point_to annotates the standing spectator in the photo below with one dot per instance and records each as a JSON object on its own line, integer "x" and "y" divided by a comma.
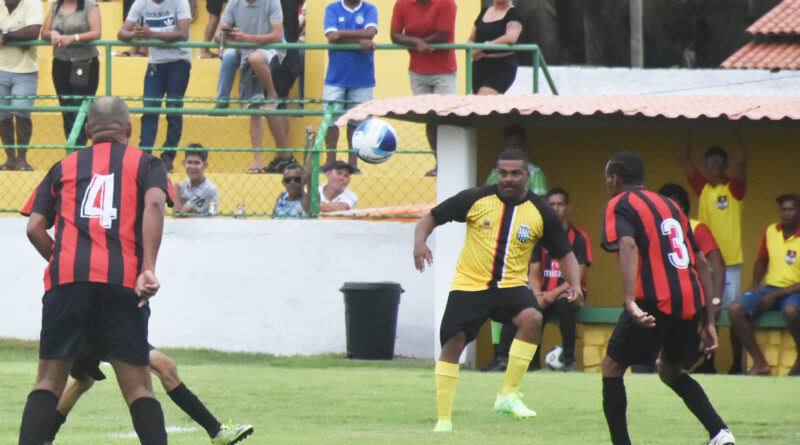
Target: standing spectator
{"x": 168, "y": 68}
{"x": 549, "y": 286}
{"x": 417, "y": 24}
{"x": 196, "y": 193}
{"x": 290, "y": 202}
{"x": 777, "y": 267}
{"x": 101, "y": 270}
{"x": 76, "y": 70}
{"x": 663, "y": 288}
{"x": 494, "y": 71}
{"x": 255, "y": 21}
{"x": 334, "y": 196}
{"x": 721, "y": 190}
{"x": 19, "y": 76}
{"x": 351, "y": 74}
{"x": 491, "y": 278}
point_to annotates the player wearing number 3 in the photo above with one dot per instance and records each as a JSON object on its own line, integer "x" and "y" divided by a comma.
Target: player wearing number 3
{"x": 107, "y": 205}
{"x": 664, "y": 279}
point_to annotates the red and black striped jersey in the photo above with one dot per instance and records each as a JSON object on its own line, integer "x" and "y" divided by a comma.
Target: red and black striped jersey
{"x": 667, "y": 275}
{"x": 500, "y": 236}
{"x": 95, "y": 199}
{"x": 551, "y": 276}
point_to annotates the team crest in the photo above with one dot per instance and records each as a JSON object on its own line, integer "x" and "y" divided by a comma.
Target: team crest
{"x": 722, "y": 202}
{"x": 791, "y": 256}
{"x": 524, "y": 233}
{"x": 487, "y": 224}
{"x": 360, "y": 19}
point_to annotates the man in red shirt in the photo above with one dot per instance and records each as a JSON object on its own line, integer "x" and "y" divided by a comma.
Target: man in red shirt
{"x": 106, "y": 204}
{"x": 417, "y": 24}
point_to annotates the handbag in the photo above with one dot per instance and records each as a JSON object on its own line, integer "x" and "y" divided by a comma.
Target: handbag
{"x": 79, "y": 74}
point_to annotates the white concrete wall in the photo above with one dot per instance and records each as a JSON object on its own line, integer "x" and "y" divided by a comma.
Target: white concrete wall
{"x": 250, "y": 285}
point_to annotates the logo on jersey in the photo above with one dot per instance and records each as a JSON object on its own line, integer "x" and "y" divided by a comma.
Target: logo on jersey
{"x": 791, "y": 256}
{"x": 554, "y": 271}
{"x": 524, "y": 233}
{"x": 360, "y": 19}
{"x": 487, "y": 224}
{"x": 722, "y": 202}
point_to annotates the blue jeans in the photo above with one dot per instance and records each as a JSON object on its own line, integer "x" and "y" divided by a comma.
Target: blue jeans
{"x": 170, "y": 78}
{"x": 231, "y": 60}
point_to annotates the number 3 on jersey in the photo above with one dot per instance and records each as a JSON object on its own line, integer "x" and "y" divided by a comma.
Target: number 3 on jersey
{"x": 98, "y": 201}
{"x": 680, "y": 254}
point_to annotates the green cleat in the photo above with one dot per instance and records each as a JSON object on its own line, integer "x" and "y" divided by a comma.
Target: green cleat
{"x": 511, "y": 403}
{"x": 230, "y": 434}
{"x": 443, "y": 426}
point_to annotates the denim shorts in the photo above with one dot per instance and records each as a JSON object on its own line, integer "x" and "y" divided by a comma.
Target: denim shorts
{"x": 750, "y": 300}
{"x": 354, "y": 95}
{"x": 17, "y": 84}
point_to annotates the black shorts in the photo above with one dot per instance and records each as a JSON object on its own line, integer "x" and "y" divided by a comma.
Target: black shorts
{"x": 676, "y": 339}
{"x": 214, "y": 7}
{"x": 285, "y": 74}
{"x": 105, "y": 316}
{"x": 467, "y": 311}
{"x": 87, "y": 364}
{"x": 496, "y": 73}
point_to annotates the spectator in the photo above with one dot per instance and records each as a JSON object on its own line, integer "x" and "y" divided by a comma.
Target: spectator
{"x": 196, "y": 193}
{"x": 548, "y": 282}
{"x": 259, "y": 69}
{"x": 721, "y": 191}
{"x": 417, "y": 24}
{"x": 168, "y": 70}
{"x": 76, "y": 70}
{"x": 290, "y": 202}
{"x": 351, "y": 74}
{"x": 493, "y": 71}
{"x": 335, "y": 196}
{"x": 19, "y": 76}
{"x": 711, "y": 250}
{"x": 778, "y": 268}
{"x": 214, "y": 9}
{"x": 514, "y": 137}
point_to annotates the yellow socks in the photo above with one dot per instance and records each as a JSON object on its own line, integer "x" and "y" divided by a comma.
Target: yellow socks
{"x": 519, "y": 357}
{"x": 446, "y": 376}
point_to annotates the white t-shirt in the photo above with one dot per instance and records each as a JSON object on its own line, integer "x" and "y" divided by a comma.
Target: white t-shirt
{"x": 162, "y": 17}
{"x": 347, "y": 196}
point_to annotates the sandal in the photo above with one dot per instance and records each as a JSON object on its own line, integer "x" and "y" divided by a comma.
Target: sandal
{"x": 208, "y": 55}
{"x": 7, "y": 167}
{"x": 25, "y": 167}
{"x": 254, "y": 170}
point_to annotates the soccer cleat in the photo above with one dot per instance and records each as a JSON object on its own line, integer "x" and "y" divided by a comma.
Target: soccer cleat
{"x": 723, "y": 437}
{"x": 443, "y": 426}
{"x": 230, "y": 434}
{"x": 511, "y": 403}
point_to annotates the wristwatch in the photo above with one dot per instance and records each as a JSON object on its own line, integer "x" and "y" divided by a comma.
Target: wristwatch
{"x": 716, "y": 301}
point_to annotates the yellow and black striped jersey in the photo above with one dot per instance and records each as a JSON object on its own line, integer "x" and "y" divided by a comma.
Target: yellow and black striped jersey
{"x": 500, "y": 237}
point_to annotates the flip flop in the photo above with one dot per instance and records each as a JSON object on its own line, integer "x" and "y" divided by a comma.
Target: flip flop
{"x": 209, "y": 55}
{"x": 7, "y": 167}
{"x": 25, "y": 168}
{"x": 254, "y": 170}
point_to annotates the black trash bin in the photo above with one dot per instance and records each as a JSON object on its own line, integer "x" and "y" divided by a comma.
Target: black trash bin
{"x": 370, "y": 315}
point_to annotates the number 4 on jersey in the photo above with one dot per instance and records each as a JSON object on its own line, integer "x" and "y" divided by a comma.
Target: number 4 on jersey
{"x": 98, "y": 201}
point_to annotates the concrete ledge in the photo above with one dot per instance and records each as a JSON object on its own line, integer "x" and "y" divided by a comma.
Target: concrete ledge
{"x": 609, "y": 315}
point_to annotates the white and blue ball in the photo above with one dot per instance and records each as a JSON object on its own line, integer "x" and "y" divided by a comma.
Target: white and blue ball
{"x": 374, "y": 141}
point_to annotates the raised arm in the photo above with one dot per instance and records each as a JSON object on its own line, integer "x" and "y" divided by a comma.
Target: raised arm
{"x": 685, "y": 156}
{"x": 738, "y": 169}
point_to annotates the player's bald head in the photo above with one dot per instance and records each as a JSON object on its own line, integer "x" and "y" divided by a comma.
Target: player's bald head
{"x": 108, "y": 111}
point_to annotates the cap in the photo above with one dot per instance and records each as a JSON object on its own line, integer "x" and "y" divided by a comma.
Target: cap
{"x": 787, "y": 197}
{"x": 341, "y": 164}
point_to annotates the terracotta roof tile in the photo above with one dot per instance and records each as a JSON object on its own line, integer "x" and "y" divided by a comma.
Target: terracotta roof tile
{"x": 669, "y": 107}
{"x": 783, "y": 19}
{"x": 765, "y": 55}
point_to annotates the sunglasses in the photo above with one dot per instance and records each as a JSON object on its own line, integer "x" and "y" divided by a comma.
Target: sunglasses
{"x": 288, "y": 179}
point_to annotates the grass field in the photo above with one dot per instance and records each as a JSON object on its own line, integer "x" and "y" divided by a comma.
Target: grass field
{"x": 330, "y": 399}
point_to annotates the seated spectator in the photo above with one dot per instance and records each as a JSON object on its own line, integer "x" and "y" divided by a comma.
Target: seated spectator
{"x": 351, "y": 74}
{"x": 778, "y": 268}
{"x": 197, "y": 193}
{"x": 76, "y": 69}
{"x": 334, "y": 196}
{"x": 168, "y": 70}
{"x": 19, "y": 76}
{"x": 494, "y": 71}
{"x": 290, "y": 202}
{"x": 240, "y": 24}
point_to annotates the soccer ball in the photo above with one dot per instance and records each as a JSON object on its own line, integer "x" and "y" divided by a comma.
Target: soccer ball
{"x": 374, "y": 141}
{"x": 553, "y": 359}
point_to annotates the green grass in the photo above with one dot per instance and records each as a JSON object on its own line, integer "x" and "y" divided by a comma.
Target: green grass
{"x": 331, "y": 399}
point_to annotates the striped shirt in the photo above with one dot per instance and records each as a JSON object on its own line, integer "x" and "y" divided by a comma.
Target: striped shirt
{"x": 500, "y": 237}
{"x": 95, "y": 199}
{"x": 551, "y": 276}
{"x": 667, "y": 275}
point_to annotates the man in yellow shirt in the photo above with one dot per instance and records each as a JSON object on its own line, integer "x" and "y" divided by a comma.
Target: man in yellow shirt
{"x": 19, "y": 76}
{"x": 778, "y": 266}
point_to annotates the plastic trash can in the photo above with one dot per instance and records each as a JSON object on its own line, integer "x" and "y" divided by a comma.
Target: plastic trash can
{"x": 370, "y": 315}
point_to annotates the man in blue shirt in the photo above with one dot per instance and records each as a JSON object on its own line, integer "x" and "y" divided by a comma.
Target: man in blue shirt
{"x": 351, "y": 74}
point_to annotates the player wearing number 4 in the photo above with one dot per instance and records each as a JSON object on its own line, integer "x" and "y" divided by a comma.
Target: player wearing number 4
{"x": 504, "y": 223}
{"x": 664, "y": 280}
{"x": 106, "y": 204}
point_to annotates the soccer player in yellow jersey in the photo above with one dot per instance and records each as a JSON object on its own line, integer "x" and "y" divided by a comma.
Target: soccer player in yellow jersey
{"x": 779, "y": 269}
{"x": 504, "y": 222}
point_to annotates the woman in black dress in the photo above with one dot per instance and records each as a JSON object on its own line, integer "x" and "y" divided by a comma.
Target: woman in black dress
{"x": 494, "y": 71}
